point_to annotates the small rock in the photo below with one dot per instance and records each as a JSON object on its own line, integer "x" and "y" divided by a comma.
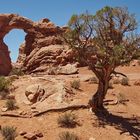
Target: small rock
{"x": 39, "y": 134}
{"x": 27, "y": 102}
{"x": 33, "y": 107}
{"x": 30, "y": 136}
{"x": 137, "y": 83}
{"x": 34, "y": 92}
{"x": 22, "y": 133}
{"x": 34, "y": 111}
{"x": 4, "y": 109}
{"x": 20, "y": 112}
{"x": 30, "y": 97}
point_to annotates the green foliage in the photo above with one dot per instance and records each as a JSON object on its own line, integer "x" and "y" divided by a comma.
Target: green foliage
{"x": 125, "y": 81}
{"x": 73, "y": 20}
{"x": 75, "y": 84}
{"x": 67, "y": 120}
{"x": 104, "y": 36}
{"x": 68, "y": 136}
{"x": 4, "y": 84}
{"x": 9, "y": 133}
{"x": 10, "y": 104}
{"x": 104, "y": 41}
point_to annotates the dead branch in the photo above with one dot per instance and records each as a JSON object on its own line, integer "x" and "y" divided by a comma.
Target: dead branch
{"x": 118, "y": 73}
{"x": 14, "y": 115}
{"x": 73, "y": 107}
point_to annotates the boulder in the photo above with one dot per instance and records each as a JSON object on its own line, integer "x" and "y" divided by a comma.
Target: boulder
{"x": 34, "y": 93}
{"x": 38, "y": 134}
{"x": 68, "y": 69}
{"x": 4, "y": 109}
{"x": 22, "y": 133}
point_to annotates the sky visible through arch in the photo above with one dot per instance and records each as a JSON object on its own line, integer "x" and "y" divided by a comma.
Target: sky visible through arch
{"x": 58, "y": 11}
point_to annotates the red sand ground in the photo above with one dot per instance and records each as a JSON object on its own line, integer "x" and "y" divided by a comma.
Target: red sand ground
{"x": 124, "y": 124}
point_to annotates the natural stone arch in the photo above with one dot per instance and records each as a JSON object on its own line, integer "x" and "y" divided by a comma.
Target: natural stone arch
{"x": 33, "y": 30}
{"x": 7, "y": 23}
{"x": 14, "y": 39}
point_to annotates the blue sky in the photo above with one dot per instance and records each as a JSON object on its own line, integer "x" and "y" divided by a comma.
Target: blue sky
{"x": 58, "y": 11}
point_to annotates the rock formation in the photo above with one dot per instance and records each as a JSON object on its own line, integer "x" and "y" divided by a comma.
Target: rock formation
{"x": 42, "y": 47}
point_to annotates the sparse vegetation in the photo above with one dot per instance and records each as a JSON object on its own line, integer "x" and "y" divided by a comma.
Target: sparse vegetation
{"x": 16, "y": 71}
{"x": 4, "y": 83}
{"x": 67, "y": 120}
{"x": 75, "y": 84}
{"x": 4, "y": 87}
{"x": 125, "y": 81}
{"x": 11, "y": 104}
{"x": 116, "y": 81}
{"x": 68, "y": 136}
{"x": 9, "y": 132}
{"x": 3, "y": 94}
{"x": 121, "y": 98}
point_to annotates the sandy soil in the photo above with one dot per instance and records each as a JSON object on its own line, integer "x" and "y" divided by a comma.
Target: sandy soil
{"x": 122, "y": 124}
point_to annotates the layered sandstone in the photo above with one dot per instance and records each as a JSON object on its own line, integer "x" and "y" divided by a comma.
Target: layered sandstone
{"x": 43, "y": 44}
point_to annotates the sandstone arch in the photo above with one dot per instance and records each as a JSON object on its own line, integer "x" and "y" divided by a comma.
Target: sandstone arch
{"x": 13, "y": 40}
{"x": 34, "y": 30}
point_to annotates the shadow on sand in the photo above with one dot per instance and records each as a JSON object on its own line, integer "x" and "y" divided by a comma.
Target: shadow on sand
{"x": 125, "y": 125}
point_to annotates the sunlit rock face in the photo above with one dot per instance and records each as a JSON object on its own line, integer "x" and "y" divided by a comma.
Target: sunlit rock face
{"x": 39, "y": 35}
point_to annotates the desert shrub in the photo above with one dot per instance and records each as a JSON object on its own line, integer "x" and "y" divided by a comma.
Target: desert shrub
{"x": 68, "y": 136}
{"x": 75, "y": 84}
{"x": 4, "y": 83}
{"x": 12, "y": 78}
{"x": 125, "y": 81}
{"x": 16, "y": 71}
{"x": 67, "y": 120}
{"x": 121, "y": 98}
{"x": 93, "y": 80}
{"x": 116, "y": 81}
{"x": 9, "y": 132}
{"x": 3, "y": 94}
{"x": 11, "y": 104}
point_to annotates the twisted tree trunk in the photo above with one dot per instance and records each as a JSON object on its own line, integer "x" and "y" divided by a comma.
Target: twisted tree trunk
{"x": 96, "y": 103}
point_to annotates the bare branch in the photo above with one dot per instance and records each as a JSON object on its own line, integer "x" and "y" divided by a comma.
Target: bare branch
{"x": 118, "y": 73}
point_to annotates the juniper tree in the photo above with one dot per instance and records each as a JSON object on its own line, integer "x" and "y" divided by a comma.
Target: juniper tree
{"x": 104, "y": 41}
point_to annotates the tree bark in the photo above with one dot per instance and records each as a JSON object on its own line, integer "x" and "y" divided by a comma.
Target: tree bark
{"x": 96, "y": 103}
